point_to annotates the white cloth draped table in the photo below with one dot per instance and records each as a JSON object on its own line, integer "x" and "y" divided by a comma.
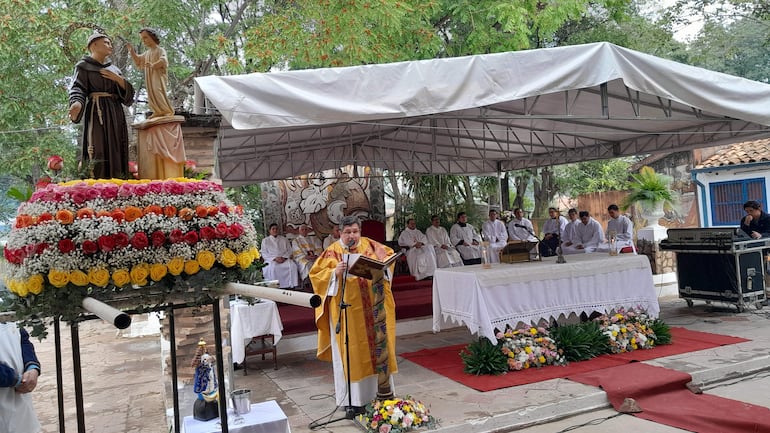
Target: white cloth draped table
{"x": 265, "y": 417}
{"x": 247, "y": 321}
{"x": 506, "y": 294}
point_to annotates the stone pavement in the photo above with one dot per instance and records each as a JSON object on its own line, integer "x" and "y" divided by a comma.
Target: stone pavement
{"x": 125, "y": 390}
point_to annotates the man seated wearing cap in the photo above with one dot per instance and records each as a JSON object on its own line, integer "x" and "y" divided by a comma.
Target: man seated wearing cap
{"x": 97, "y": 94}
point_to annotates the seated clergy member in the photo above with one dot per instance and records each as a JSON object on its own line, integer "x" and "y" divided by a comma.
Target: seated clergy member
{"x": 622, "y": 228}
{"x": 306, "y": 248}
{"x": 553, "y": 230}
{"x": 493, "y": 230}
{"x": 420, "y": 256}
{"x": 520, "y": 228}
{"x": 586, "y": 237}
{"x": 446, "y": 253}
{"x": 332, "y": 238}
{"x": 276, "y": 251}
{"x": 467, "y": 241}
{"x": 569, "y": 229}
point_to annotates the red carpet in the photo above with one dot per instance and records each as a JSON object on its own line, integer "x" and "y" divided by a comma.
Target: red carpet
{"x": 446, "y": 361}
{"x": 664, "y": 399}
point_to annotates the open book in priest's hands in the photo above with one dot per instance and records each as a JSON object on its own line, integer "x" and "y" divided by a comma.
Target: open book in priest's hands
{"x": 362, "y": 266}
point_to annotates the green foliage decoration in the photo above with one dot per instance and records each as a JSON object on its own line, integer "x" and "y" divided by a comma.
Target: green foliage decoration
{"x": 580, "y": 341}
{"x": 649, "y": 189}
{"x": 483, "y": 357}
{"x": 662, "y": 332}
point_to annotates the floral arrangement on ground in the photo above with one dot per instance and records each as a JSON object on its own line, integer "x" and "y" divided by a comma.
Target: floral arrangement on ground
{"x": 396, "y": 415}
{"x": 135, "y": 239}
{"x": 524, "y": 348}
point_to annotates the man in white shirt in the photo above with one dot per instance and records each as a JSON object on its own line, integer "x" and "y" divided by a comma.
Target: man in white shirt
{"x": 467, "y": 241}
{"x": 553, "y": 229}
{"x": 276, "y": 251}
{"x": 569, "y": 229}
{"x": 332, "y": 238}
{"x": 622, "y": 228}
{"x": 494, "y": 232}
{"x": 420, "y": 256}
{"x": 446, "y": 254}
{"x": 306, "y": 248}
{"x": 520, "y": 228}
{"x": 587, "y": 235}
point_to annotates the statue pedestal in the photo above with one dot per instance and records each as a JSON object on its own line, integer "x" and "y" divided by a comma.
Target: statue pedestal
{"x": 663, "y": 263}
{"x": 161, "y": 147}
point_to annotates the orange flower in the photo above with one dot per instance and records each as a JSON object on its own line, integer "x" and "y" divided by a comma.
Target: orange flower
{"x": 153, "y": 208}
{"x": 85, "y": 212}
{"x": 186, "y": 214}
{"x": 23, "y": 220}
{"x": 118, "y": 215}
{"x": 65, "y": 216}
{"x": 201, "y": 211}
{"x": 212, "y": 210}
{"x": 103, "y": 213}
{"x": 169, "y": 211}
{"x": 133, "y": 213}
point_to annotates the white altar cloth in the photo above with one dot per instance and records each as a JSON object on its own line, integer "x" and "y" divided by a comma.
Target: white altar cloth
{"x": 265, "y": 417}
{"x": 485, "y": 299}
{"x": 247, "y": 321}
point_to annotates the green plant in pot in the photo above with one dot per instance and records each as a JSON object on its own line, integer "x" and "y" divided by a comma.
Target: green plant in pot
{"x": 651, "y": 191}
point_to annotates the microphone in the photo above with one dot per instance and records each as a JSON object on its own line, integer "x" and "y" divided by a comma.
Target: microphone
{"x": 350, "y": 244}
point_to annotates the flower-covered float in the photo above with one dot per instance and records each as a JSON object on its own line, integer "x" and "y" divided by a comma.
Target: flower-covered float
{"x": 131, "y": 241}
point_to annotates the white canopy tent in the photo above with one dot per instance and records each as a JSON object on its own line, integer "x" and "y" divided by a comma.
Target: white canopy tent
{"x": 478, "y": 114}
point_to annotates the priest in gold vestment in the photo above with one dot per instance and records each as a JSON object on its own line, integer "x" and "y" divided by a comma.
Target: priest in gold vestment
{"x": 372, "y": 338}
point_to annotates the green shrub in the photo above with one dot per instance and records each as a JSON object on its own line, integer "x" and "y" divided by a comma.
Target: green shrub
{"x": 483, "y": 357}
{"x": 580, "y": 341}
{"x": 662, "y": 332}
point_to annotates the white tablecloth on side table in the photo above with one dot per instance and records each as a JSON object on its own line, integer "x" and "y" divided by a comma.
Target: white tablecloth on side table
{"x": 265, "y": 417}
{"x": 247, "y": 321}
{"x": 485, "y": 299}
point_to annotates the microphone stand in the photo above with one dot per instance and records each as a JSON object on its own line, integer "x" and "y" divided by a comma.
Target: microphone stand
{"x": 538, "y": 257}
{"x": 350, "y": 413}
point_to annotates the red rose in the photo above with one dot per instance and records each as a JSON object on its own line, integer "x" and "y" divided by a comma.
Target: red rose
{"x": 40, "y": 248}
{"x": 221, "y": 230}
{"x": 235, "y": 231}
{"x": 208, "y": 233}
{"x": 140, "y": 241}
{"x": 55, "y": 162}
{"x": 66, "y": 246}
{"x": 106, "y": 243}
{"x": 120, "y": 240}
{"x": 191, "y": 237}
{"x": 43, "y": 217}
{"x": 176, "y": 236}
{"x": 89, "y": 247}
{"x": 158, "y": 238}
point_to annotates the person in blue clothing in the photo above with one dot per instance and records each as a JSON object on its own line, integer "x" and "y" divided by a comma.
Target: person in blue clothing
{"x": 19, "y": 370}
{"x": 756, "y": 223}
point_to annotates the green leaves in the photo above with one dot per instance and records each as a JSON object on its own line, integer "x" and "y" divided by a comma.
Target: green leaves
{"x": 483, "y": 357}
{"x": 580, "y": 341}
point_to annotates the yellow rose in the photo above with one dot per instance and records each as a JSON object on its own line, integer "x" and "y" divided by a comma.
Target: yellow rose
{"x": 121, "y": 277}
{"x": 21, "y": 289}
{"x": 58, "y": 278}
{"x": 35, "y": 284}
{"x": 78, "y": 278}
{"x": 255, "y": 253}
{"x": 176, "y": 266}
{"x": 158, "y": 271}
{"x": 99, "y": 277}
{"x": 191, "y": 267}
{"x": 206, "y": 259}
{"x": 245, "y": 259}
{"x": 228, "y": 258}
{"x": 139, "y": 274}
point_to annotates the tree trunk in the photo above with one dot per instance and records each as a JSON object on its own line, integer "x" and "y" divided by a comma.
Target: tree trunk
{"x": 544, "y": 189}
{"x": 521, "y": 181}
{"x": 505, "y": 193}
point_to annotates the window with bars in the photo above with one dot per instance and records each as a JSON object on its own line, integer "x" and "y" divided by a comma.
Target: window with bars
{"x": 727, "y": 199}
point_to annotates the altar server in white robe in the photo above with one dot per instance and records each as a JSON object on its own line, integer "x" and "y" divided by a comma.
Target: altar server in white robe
{"x": 276, "y": 251}
{"x": 446, "y": 254}
{"x": 520, "y": 228}
{"x": 622, "y": 228}
{"x": 306, "y": 248}
{"x": 332, "y": 238}
{"x": 587, "y": 237}
{"x": 420, "y": 256}
{"x": 569, "y": 229}
{"x": 493, "y": 230}
{"x": 466, "y": 239}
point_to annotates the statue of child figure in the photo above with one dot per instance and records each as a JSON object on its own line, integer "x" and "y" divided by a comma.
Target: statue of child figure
{"x": 155, "y": 65}
{"x": 206, "y": 406}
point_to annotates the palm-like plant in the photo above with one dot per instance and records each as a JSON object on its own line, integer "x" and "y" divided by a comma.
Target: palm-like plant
{"x": 650, "y": 189}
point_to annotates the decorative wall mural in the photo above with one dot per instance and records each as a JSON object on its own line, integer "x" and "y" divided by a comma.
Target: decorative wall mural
{"x": 322, "y": 199}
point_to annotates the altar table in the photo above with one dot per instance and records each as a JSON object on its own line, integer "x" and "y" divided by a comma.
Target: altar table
{"x": 265, "y": 417}
{"x": 247, "y": 321}
{"x": 506, "y": 294}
